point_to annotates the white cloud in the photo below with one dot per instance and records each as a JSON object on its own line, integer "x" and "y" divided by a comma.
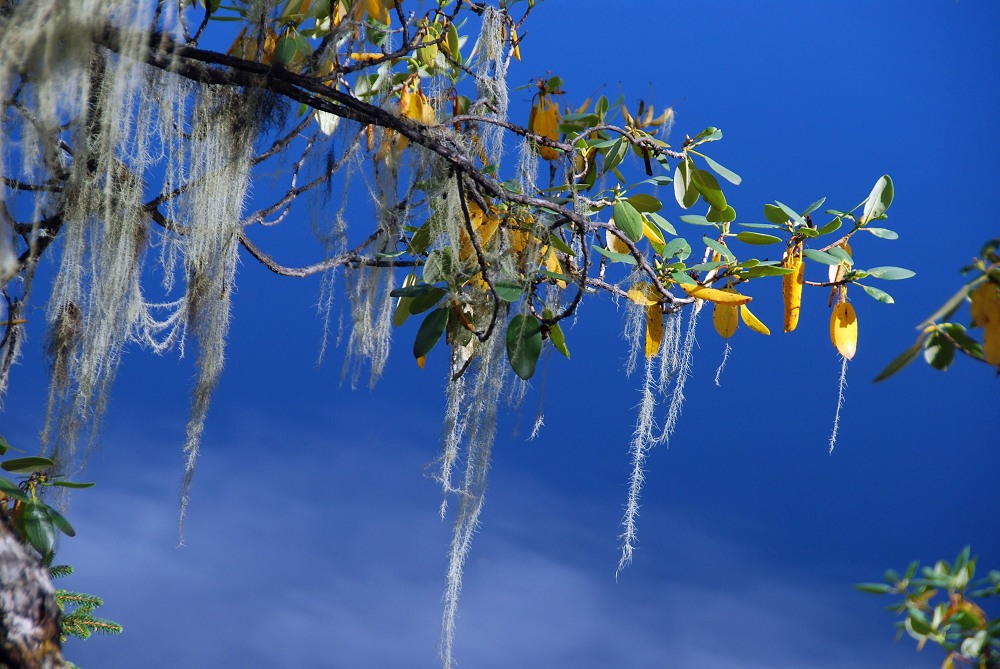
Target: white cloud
{"x": 293, "y": 567}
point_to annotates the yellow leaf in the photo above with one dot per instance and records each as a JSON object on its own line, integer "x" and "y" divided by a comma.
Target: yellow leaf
{"x": 652, "y": 232}
{"x": 725, "y": 319}
{"x": 844, "y": 329}
{"x": 377, "y": 9}
{"x": 985, "y": 304}
{"x": 485, "y": 227}
{"x": 752, "y": 321}
{"x": 544, "y": 120}
{"x": 654, "y": 330}
{"x": 362, "y": 57}
{"x": 714, "y": 294}
{"x": 552, "y": 264}
{"x": 614, "y": 243}
{"x": 991, "y": 343}
{"x": 643, "y": 294}
{"x": 791, "y": 290}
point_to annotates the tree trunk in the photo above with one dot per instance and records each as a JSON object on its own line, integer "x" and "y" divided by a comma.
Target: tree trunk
{"x": 29, "y": 615}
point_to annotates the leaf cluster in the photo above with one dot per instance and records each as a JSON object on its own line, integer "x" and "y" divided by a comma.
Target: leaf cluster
{"x": 34, "y": 521}
{"x": 941, "y": 337}
{"x": 938, "y": 604}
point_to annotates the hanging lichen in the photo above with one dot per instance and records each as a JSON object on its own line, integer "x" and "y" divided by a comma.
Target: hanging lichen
{"x": 491, "y": 80}
{"x": 223, "y": 131}
{"x": 476, "y": 428}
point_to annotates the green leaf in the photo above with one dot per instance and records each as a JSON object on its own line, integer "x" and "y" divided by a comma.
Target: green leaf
{"x": 705, "y": 266}
{"x": 758, "y": 238}
{"x": 721, "y": 249}
{"x": 878, "y": 200}
{"x": 681, "y": 277}
{"x": 662, "y": 223}
{"x": 524, "y": 344}
{"x": 615, "y": 257}
{"x": 11, "y": 490}
{"x": 28, "y": 465}
{"x": 966, "y": 343}
{"x": 902, "y": 360}
{"x": 884, "y": 233}
{"x": 597, "y": 143}
{"x": 454, "y": 45}
{"x": 776, "y": 215}
{"x": 36, "y": 526}
{"x": 879, "y": 295}
{"x": 558, "y": 340}
{"x": 840, "y": 252}
{"x": 890, "y": 273}
{"x": 684, "y": 190}
{"x": 285, "y": 50}
{"x": 763, "y": 226}
{"x": 728, "y": 175}
{"x": 59, "y": 521}
{"x": 4, "y": 445}
{"x": 727, "y": 215}
{"x": 814, "y": 206}
{"x": 790, "y": 213}
{"x": 422, "y": 303}
{"x": 677, "y": 247}
{"x": 709, "y": 134}
{"x": 939, "y": 352}
{"x": 69, "y": 484}
{"x": 440, "y": 266}
{"x": 413, "y": 290}
{"x": 628, "y": 220}
{"x": 508, "y": 291}
{"x": 658, "y": 180}
{"x": 556, "y": 275}
{"x": 420, "y": 240}
{"x": 821, "y": 257}
{"x": 557, "y": 242}
{"x": 645, "y": 203}
{"x": 430, "y": 331}
{"x": 614, "y": 155}
{"x": 402, "y": 311}
{"x": 962, "y": 559}
{"x": 695, "y": 220}
{"x": 832, "y": 226}
{"x": 765, "y": 270}
{"x": 918, "y": 623}
{"x": 708, "y": 187}
{"x": 874, "y": 588}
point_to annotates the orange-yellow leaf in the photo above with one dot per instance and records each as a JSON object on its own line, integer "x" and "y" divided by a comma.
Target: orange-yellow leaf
{"x": 643, "y": 294}
{"x": 544, "y": 120}
{"x": 752, "y": 321}
{"x": 725, "y": 319}
{"x": 654, "y": 330}
{"x": 714, "y": 294}
{"x": 844, "y": 329}
{"x": 791, "y": 291}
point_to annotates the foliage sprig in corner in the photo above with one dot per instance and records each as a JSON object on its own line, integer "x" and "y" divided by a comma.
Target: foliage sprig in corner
{"x": 938, "y": 605}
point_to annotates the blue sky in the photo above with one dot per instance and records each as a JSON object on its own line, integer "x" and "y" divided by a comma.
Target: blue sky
{"x": 313, "y": 537}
